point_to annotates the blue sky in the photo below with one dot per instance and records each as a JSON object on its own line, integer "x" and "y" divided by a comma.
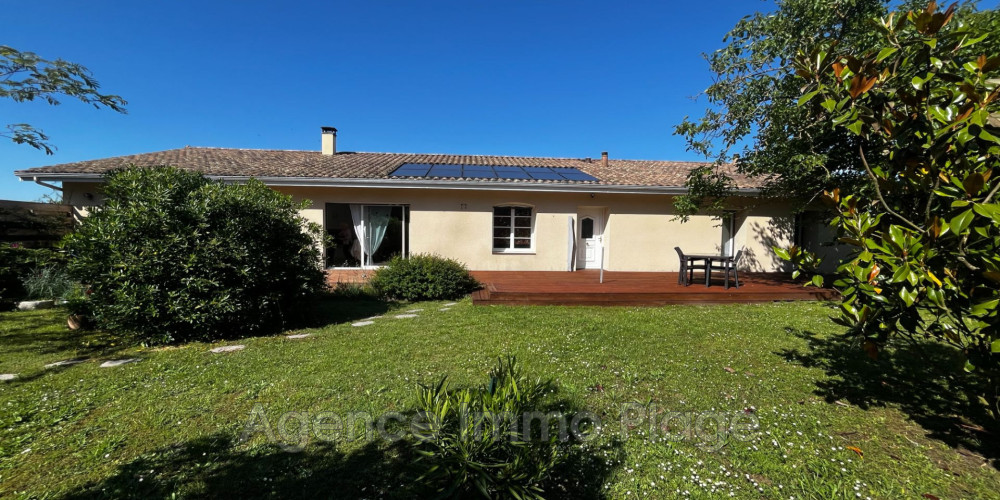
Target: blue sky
{"x": 538, "y": 78}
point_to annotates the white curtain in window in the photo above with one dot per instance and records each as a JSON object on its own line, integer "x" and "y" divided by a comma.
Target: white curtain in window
{"x": 358, "y": 217}
{"x": 376, "y": 225}
{"x": 370, "y": 225}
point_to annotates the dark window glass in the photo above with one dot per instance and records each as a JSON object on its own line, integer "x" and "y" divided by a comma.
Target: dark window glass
{"x": 511, "y": 228}
{"x": 587, "y": 228}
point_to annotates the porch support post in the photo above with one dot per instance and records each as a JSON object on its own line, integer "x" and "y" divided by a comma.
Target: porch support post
{"x": 602, "y": 258}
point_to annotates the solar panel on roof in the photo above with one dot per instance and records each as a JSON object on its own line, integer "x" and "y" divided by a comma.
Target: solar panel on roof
{"x": 544, "y": 174}
{"x": 411, "y": 170}
{"x": 572, "y": 174}
{"x": 549, "y": 176}
{"x": 479, "y": 174}
{"x": 507, "y": 172}
{"x": 513, "y": 174}
{"x": 445, "y": 171}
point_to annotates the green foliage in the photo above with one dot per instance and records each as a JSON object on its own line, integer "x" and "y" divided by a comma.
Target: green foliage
{"x": 423, "y": 277}
{"x": 753, "y": 119}
{"x": 48, "y": 282}
{"x": 601, "y": 357}
{"x": 923, "y": 106}
{"x": 472, "y": 441}
{"x": 353, "y": 291}
{"x": 28, "y": 77}
{"x": 173, "y": 257}
{"x": 16, "y": 263}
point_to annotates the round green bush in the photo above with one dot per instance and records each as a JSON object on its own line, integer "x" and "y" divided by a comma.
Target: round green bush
{"x": 172, "y": 257}
{"x": 423, "y": 277}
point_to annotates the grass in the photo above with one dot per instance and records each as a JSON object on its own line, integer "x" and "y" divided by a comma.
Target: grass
{"x": 171, "y": 424}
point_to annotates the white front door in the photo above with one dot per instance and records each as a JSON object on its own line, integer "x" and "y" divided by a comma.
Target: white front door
{"x": 590, "y": 243}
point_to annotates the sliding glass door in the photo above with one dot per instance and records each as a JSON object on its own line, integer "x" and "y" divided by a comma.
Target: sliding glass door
{"x": 366, "y": 235}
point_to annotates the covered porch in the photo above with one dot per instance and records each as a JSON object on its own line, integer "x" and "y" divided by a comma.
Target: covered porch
{"x": 634, "y": 289}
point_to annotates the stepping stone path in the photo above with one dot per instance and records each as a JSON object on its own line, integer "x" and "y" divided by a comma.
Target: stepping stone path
{"x": 66, "y": 362}
{"x": 7, "y": 376}
{"x": 228, "y": 348}
{"x": 404, "y": 316}
{"x": 299, "y": 336}
{"x": 363, "y": 323}
{"x": 119, "y": 362}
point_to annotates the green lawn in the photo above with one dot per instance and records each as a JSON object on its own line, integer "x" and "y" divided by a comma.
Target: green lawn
{"x": 170, "y": 424}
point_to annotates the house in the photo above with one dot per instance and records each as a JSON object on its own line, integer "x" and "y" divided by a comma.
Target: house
{"x": 493, "y": 213}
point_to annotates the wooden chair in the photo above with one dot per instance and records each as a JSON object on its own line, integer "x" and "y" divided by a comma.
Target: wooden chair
{"x": 688, "y": 268}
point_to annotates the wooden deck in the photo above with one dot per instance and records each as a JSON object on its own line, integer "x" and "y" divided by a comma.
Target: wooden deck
{"x": 634, "y": 289}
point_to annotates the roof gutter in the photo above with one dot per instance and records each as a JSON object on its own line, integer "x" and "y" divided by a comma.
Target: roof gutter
{"x": 408, "y": 184}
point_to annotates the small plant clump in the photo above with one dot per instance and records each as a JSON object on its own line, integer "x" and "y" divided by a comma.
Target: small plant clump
{"x": 423, "y": 277}
{"x": 29, "y": 273}
{"x": 48, "y": 282}
{"x": 474, "y": 441}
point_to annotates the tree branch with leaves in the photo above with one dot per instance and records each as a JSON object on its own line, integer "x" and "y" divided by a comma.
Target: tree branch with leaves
{"x": 753, "y": 120}
{"x": 25, "y": 77}
{"x": 925, "y": 232}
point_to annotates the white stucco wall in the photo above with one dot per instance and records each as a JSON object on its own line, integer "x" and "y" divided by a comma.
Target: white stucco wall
{"x": 640, "y": 233}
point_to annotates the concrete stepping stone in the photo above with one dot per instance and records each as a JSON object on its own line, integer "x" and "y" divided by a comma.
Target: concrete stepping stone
{"x": 444, "y": 309}
{"x": 451, "y": 304}
{"x": 228, "y": 348}
{"x": 363, "y": 323}
{"x": 373, "y": 317}
{"x": 414, "y": 310}
{"x": 299, "y": 336}
{"x": 65, "y": 362}
{"x": 6, "y": 377}
{"x": 119, "y": 362}
{"x": 404, "y": 316}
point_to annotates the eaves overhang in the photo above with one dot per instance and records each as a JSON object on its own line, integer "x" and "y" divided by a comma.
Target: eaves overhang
{"x": 456, "y": 184}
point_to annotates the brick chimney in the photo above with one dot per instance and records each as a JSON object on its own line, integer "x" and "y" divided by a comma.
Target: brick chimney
{"x": 329, "y": 140}
{"x": 604, "y": 159}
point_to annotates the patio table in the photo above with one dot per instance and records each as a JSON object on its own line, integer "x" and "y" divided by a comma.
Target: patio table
{"x": 709, "y": 259}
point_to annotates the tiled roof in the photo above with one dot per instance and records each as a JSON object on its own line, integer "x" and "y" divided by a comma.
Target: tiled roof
{"x": 223, "y": 162}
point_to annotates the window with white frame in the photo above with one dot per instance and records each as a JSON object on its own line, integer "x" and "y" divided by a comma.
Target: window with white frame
{"x": 512, "y": 229}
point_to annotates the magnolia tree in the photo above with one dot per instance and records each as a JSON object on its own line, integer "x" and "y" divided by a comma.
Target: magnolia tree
{"x": 925, "y": 233}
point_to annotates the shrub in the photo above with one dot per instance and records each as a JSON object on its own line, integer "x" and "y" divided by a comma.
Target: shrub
{"x": 471, "y": 443}
{"x": 423, "y": 277}
{"x": 353, "y": 291}
{"x": 173, "y": 256}
{"x": 48, "y": 282}
{"x": 16, "y": 263}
